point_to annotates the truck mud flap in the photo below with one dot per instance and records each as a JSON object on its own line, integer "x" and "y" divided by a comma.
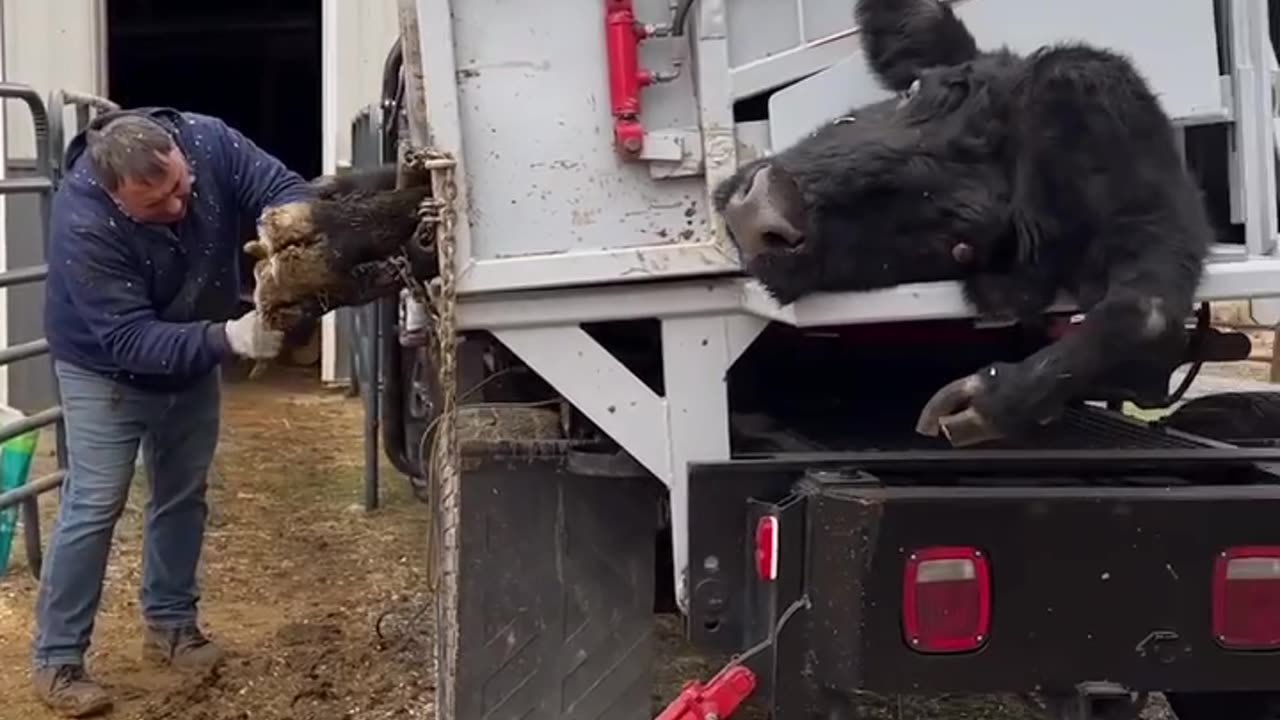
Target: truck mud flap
{"x": 555, "y": 593}
{"x": 1110, "y": 581}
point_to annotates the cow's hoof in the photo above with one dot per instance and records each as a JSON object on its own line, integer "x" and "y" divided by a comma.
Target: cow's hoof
{"x": 967, "y": 428}
{"x": 950, "y": 413}
{"x": 286, "y": 225}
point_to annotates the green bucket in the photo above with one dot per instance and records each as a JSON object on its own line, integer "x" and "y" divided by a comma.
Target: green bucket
{"x": 15, "y": 468}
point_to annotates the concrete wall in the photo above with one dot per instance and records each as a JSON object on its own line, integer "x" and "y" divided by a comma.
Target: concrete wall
{"x": 357, "y": 37}
{"x": 49, "y": 46}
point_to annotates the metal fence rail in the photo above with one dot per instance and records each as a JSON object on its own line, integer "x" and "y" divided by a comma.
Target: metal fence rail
{"x": 50, "y": 141}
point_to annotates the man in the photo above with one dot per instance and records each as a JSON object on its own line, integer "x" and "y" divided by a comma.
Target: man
{"x": 145, "y": 237}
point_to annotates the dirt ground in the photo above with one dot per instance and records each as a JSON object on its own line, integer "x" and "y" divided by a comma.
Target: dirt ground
{"x": 319, "y": 603}
{"x": 295, "y": 578}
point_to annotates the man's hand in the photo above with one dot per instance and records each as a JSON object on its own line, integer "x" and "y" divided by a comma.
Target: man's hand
{"x": 249, "y": 337}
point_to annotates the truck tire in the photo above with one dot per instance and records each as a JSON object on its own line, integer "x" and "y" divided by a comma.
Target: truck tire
{"x": 1229, "y": 417}
{"x": 553, "y": 616}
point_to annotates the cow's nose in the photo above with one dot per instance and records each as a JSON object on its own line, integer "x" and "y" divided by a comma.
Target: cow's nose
{"x": 757, "y": 213}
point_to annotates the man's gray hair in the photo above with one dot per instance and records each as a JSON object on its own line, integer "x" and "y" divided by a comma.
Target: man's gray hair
{"x": 128, "y": 147}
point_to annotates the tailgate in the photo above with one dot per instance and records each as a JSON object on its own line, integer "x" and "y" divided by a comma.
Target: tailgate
{"x": 1101, "y": 564}
{"x": 1085, "y": 584}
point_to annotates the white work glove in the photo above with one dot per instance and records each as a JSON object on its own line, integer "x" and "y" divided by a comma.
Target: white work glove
{"x": 248, "y": 338}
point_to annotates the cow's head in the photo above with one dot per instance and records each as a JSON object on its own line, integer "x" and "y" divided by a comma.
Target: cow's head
{"x": 891, "y": 192}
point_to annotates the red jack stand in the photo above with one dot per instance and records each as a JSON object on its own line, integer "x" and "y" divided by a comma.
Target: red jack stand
{"x": 714, "y": 701}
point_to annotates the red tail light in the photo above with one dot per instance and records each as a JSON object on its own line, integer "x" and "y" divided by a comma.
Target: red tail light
{"x": 1246, "y": 598}
{"x": 946, "y": 599}
{"x": 767, "y": 548}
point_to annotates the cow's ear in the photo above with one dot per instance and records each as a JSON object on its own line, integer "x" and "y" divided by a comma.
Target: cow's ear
{"x": 901, "y": 38}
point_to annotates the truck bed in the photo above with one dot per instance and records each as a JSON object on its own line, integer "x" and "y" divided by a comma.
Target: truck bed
{"x": 1085, "y": 427}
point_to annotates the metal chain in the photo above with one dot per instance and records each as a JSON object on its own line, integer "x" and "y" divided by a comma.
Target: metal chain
{"x": 436, "y": 225}
{"x": 415, "y": 286}
{"x": 436, "y": 218}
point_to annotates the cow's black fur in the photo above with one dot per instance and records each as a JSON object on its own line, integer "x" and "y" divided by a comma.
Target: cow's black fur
{"x": 1024, "y": 176}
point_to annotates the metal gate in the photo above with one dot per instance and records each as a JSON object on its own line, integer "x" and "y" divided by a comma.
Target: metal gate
{"x": 384, "y": 367}
{"x": 50, "y": 142}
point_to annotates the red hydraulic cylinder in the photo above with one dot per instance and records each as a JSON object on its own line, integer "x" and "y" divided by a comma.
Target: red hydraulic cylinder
{"x": 626, "y": 79}
{"x": 716, "y": 700}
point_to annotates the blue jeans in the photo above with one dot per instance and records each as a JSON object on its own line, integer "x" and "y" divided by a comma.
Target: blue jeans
{"x": 106, "y": 422}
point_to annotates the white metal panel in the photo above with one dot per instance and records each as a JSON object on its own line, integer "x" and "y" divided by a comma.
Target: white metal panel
{"x": 762, "y": 28}
{"x": 356, "y": 38}
{"x": 796, "y": 111}
{"x": 50, "y": 46}
{"x": 1224, "y": 280}
{"x": 1252, "y": 156}
{"x": 534, "y": 101}
{"x": 544, "y": 199}
{"x": 363, "y": 33}
{"x": 330, "y": 347}
{"x": 1179, "y": 56}
{"x": 773, "y": 42}
{"x": 784, "y": 67}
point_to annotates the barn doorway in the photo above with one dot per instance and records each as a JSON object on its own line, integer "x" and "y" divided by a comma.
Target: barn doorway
{"x": 256, "y": 64}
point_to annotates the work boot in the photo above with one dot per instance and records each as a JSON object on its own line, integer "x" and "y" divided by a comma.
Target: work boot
{"x": 69, "y": 691}
{"x": 184, "y": 648}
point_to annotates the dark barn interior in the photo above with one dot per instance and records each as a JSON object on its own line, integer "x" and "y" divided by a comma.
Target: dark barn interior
{"x": 256, "y": 64}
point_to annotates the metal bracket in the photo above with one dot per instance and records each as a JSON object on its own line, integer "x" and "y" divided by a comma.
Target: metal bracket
{"x": 1096, "y": 700}
{"x": 663, "y": 433}
{"x": 673, "y": 153}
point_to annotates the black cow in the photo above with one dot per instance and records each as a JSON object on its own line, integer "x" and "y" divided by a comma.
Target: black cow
{"x": 1022, "y": 175}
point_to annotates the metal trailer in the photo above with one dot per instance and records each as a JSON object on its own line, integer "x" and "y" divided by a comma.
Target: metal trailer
{"x": 587, "y": 137}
